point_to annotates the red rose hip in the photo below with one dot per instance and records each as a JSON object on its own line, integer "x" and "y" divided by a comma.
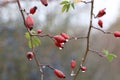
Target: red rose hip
{"x": 83, "y": 68}
{"x": 59, "y": 39}
{"x": 39, "y": 31}
{"x": 101, "y": 12}
{"x": 58, "y": 45}
{"x": 100, "y": 23}
{"x": 29, "y": 22}
{"x": 59, "y": 73}
{"x": 44, "y": 2}
{"x": 117, "y": 34}
{"x": 29, "y": 55}
{"x": 73, "y": 63}
{"x": 33, "y": 10}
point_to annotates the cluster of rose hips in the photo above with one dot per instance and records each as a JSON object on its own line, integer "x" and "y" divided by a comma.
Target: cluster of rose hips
{"x": 101, "y": 13}
{"x": 59, "y": 40}
{"x": 73, "y": 65}
{"x": 29, "y": 20}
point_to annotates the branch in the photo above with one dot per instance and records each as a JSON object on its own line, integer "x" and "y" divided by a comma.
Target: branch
{"x": 97, "y": 52}
{"x": 86, "y": 2}
{"x": 35, "y": 57}
{"x": 102, "y": 30}
{"x": 88, "y": 41}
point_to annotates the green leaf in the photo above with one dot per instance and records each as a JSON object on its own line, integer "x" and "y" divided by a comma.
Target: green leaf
{"x": 105, "y": 52}
{"x": 72, "y": 4}
{"x": 27, "y": 35}
{"x": 111, "y": 56}
{"x": 64, "y": 2}
{"x": 68, "y": 6}
{"x": 64, "y": 8}
{"x": 36, "y": 41}
{"x": 108, "y": 55}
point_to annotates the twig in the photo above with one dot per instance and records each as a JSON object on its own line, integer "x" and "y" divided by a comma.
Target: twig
{"x": 35, "y": 57}
{"x": 86, "y": 2}
{"x": 102, "y": 30}
{"x": 88, "y": 41}
{"x": 97, "y": 52}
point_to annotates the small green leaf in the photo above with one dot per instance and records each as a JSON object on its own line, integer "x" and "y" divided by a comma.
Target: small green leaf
{"x": 72, "y": 4}
{"x": 64, "y": 2}
{"x": 105, "y": 52}
{"x": 111, "y": 56}
{"x": 64, "y": 8}
{"x": 27, "y": 35}
{"x": 108, "y": 55}
{"x": 36, "y": 41}
{"x": 68, "y": 6}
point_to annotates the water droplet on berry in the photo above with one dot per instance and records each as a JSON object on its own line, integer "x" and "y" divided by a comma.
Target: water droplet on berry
{"x": 76, "y": 38}
{"x": 72, "y": 74}
{"x": 83, "y": 71}
{"x": 60, "y": 48}
{"x": 43, "y": 66}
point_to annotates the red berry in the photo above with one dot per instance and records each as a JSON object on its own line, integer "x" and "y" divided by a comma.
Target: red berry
{"x": 39, "y": 31}
{"x": 83, "y": 68}
{"x": 117, "y": 34}
{"x": 29, "y": 55}
{"x": 64, "y": 35}
{"x": 59, "y": 39}
{"x": 73, "y": 63}
{"x": 101, "y": 13}
{"x": 100, "y": 23}
{"x": 58, "y": 44}
{"x": 59, "y": 73}
{"x": 29, "y": 22}
{"x": 44, "y": 2}
{"x": 33, "y": 10}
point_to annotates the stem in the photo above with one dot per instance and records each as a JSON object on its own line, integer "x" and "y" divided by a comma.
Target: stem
{"x": 88, "y": 40}
{"x": 102, "y": 30}
{"x": 35, "y": 57}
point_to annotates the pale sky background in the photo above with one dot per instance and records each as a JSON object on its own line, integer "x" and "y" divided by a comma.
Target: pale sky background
{"x": 80, "y": 15}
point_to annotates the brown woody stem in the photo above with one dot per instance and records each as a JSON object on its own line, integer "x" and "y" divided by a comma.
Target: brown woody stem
{"x": 88, "y": 41}
{"x": 35, "y": 57}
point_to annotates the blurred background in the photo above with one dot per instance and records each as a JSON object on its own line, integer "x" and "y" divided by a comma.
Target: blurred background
{"x": 13, "y": 45}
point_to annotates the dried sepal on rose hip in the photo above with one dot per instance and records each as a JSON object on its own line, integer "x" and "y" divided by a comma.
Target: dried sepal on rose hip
{"x": 65, "y": 36}
{"x": 29, "y": 22}
{"x": 39, "y": 31}
{"x": 117, "y": 33}
{"x": 100, "y": 23}
{"x": 44, "y": 2}
{"x": 59, "y": 73}
{"x": 101, "y": 13}
{"x": 29, "y": 55}
{"x": 73, "y": 63}
{"x": 33, "y": 10}
{"x": 83, "y": 68}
